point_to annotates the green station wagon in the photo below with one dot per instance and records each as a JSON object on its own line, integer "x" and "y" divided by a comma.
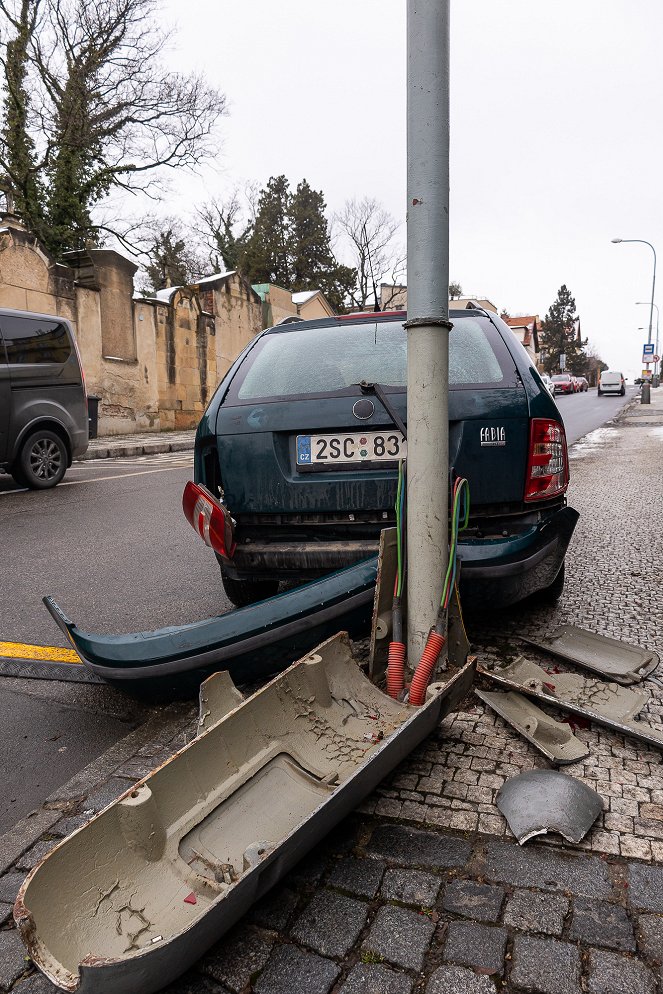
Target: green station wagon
{"x": 302, "y": 452}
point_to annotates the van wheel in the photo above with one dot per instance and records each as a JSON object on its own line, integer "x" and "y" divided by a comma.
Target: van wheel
{"x": 243, "y": 592}
{"x": 42, "y": 462}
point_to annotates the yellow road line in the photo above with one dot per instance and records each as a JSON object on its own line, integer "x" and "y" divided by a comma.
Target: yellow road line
{"x": 45, "y": 653}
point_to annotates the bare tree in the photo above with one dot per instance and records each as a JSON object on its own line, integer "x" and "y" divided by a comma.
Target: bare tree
{"x": 370, "y": 230}
{"x": 227, "y": 226}
{"x": 110, "y": 116}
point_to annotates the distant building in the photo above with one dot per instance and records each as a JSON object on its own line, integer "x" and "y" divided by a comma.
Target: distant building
{"x": 393, "y": 297}
{"x": 526, "y": 329}
{"x": 278, "y": 304}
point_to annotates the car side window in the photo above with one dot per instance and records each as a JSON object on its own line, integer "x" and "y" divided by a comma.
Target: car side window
{"x": 35, "y": 340}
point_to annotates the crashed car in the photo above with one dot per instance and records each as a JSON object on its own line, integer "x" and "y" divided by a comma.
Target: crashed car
{"x": 301, "y": 442}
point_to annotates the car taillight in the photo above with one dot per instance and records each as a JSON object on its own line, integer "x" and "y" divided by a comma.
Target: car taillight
{"x": 209, "y": 518}
{"x": 548, "y": 461}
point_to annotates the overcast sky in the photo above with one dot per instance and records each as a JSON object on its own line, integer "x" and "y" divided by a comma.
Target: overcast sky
{"x": 556, "y": 135}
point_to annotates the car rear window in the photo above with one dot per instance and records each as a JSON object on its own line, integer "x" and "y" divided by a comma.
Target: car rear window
{"x": 561, "y": 378}
{"x": 330, "y": 359}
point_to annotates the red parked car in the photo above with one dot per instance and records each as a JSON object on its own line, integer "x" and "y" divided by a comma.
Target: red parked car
{"x": 563, "y": 383}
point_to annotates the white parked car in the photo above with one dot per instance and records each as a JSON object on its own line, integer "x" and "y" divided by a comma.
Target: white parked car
{"x": 550, "y": 386}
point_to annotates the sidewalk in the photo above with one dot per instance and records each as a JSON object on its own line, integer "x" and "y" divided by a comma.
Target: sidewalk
{"x": 423, "y": 889}
{"x": 146, "y": 443}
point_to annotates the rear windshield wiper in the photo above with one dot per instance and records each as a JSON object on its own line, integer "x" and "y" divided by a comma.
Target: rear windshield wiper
{"x": 377, "y": 391}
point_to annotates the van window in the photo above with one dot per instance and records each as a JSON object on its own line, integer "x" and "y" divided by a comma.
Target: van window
{"x": 35, "y": 340}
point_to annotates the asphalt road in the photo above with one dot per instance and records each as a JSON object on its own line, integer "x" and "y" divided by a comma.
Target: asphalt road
{"x": 583, "y": 412}
{"x": 112, "y": 546}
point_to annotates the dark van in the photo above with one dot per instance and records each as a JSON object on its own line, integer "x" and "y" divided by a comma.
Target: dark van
{"x": 43, "y": 404}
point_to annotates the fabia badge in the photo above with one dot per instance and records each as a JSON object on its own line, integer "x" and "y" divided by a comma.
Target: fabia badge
{"x": 492, "y": 436}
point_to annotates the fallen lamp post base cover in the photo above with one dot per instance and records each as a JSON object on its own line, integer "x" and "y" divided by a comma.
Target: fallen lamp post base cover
{"x": 541, "y": 801}
{"x": 132, "y": 899}
{"x": 553, "y": 738}
{"x": 610, "y": 657}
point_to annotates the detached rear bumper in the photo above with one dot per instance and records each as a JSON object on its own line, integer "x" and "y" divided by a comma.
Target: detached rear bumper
{"x": 498, "y": 572}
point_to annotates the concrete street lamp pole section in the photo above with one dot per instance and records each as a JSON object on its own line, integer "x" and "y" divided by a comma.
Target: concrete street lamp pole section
{"x": 427, "y": 314}
{"x": 641, "y": 241}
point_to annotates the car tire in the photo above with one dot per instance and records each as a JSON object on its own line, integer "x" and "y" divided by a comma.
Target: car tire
{"x": 42, "y": 461}
{"x": 622, "y": 392}
{"x": 244, "y": 592}
{"x": 551, "y": 594}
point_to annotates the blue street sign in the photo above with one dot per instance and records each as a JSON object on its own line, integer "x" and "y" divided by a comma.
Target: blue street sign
{"x": 648, "y": 352}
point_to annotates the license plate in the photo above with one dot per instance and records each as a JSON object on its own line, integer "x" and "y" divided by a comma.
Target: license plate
{"x": 351, "y": 447}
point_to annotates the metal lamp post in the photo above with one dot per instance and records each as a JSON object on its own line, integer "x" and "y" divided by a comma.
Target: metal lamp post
{"x": 427, "y": 313}
{"x": 658, "y": 314}
{"x": 641, "y": 241}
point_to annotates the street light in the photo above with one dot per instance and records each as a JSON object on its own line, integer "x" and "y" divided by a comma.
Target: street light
{"x": 641, "y": 241}
{"x": 658, "y": 314}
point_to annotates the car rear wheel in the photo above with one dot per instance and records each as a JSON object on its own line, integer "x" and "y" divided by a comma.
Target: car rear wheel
{"x": 42, "y": 461}
{"x": 551, "y": 594}
{"x": 243, "y": 592}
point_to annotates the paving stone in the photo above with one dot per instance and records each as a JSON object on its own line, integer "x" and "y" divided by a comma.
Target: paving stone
{"x": 535, "y": 866}
{"x": 106, "y": 794}
{"x": 400, "y": 936}
{"x": 72, "y": 824}
{"x": 10, "y": 885}
{"x": 309, "y": 870}
{"x": 534, "y": 912}
{"x": 645, "y": 887}
{"x": 13, "y": 958}
{"x": 191, "y": 983}
{"x": 292, "y": 971}
{"x": 358, "y": 876}
{"x": 482, "y": 902}
{"x": 375, "y": 978}
{"x": 275, "y": 909}
{"x": 480, "y": 946}
{"x": 650, "y": 937}
{"x": 600, "y": 924}
{"x": 610, "y": 973}
{"x": 236, "y": 959}
{"x": 458, "y": 980}
{"x": 411, "y": 887}
{"x": 331, "y": 923}
{"x": 36, "y": 984}
{"x": 34, "y": 855}
{"x": 5, "y": 912}
{"x": 546, "y": 966}
{"x": 412, "y": 847}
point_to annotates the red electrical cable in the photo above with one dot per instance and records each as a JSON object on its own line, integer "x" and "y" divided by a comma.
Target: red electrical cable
{"x": 424, "y": 670}
{"x": 395, "y": 669}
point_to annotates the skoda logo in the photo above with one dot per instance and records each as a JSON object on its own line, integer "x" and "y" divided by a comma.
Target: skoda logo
{"x": 363, "y": 409}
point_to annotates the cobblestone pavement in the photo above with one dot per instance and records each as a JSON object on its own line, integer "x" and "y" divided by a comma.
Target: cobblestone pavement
{"x": 423, "y": 890}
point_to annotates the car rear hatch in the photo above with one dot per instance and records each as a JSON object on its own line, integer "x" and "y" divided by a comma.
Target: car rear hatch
{"x": 301, "y": 447}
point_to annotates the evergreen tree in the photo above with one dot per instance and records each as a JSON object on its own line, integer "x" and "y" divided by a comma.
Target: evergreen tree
{"x": 559, "y": 334}
{"x": 313, "y": 264}
{"x": 269, "y": 254}
{"x": 290, "y": 243}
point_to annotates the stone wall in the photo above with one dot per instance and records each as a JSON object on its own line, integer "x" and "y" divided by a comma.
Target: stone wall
{"x": 154, "y": 363}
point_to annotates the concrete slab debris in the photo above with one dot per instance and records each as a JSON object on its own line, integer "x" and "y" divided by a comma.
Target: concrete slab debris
{"x": 541, "y": 801}
{"x": 553, "y": 738}
{"x": 610, "y": 657}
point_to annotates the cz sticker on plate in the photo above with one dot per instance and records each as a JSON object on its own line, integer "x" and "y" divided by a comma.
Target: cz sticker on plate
{"x": 353, "y": 447}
